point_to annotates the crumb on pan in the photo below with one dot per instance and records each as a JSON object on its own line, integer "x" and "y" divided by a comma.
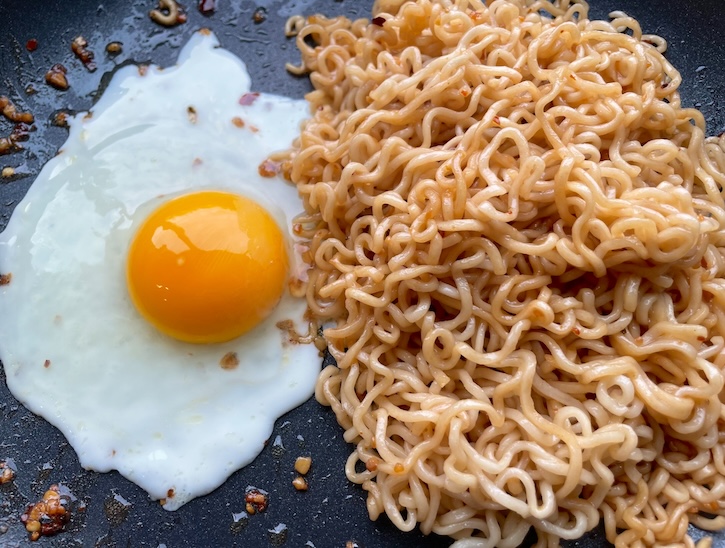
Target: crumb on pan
{"x": 56, "y": 77}
{"x": 49, "y": 515}
{"x": 114, "y": 48}
{"x": 7, "y": 472}
{"x": 300, "y": 483}
{"x": 256, "y": 500}
{"x": 79, "y": 46}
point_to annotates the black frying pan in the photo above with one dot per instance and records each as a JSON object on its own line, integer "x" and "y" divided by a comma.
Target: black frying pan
{"x": 332, "y": 512}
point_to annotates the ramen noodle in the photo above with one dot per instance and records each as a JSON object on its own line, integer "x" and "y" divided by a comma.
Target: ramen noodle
{"x": 516, "y": 234}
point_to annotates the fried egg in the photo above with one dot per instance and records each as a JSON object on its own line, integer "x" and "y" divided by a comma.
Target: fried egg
{"x": 149, "y": 267}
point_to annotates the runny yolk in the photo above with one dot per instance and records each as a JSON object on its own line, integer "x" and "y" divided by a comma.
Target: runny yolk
{"x": 207, "y": 267}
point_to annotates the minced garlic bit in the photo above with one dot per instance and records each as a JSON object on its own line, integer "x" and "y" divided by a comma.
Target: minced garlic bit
{"x": 300, "y": 483}
{"x": 302, "y": 465}
{"x": 56, "y": 77}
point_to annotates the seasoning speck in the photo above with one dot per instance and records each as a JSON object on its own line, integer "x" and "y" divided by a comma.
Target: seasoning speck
{"x": 8, "y": 172}
{"x": 248, "y": 98}
{"x": 259, "y": 15}
{"x": 60, "y": 119}
{"x": 7, "y": 471}
{"x": 5, "y": 278}
{"x": 229, "y": 360}
{"x": 31, "y": 45}
{"x": 256, "y": 500}
{"x": 300, "y": 483}
{"x": 268, "y": 168}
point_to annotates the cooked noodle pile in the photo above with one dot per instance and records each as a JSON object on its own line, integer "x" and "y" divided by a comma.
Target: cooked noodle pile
{"x": 519, "y": 236}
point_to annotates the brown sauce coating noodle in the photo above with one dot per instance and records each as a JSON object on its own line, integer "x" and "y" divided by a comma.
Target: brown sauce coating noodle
{"x": 519, "y": 233}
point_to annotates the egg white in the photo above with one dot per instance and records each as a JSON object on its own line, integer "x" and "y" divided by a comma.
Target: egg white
{"x": 76, "y": 352}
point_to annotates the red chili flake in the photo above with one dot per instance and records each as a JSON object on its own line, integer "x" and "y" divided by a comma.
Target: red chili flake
{"x": 248, "y": 98}
{"x": 207, "y": 7}
{"x": 379, "y": 21}
{"x": 576, "y": 331}
{"x": 238, "y": 122}
{"x": 497, "y": 120}
{"x": 46, "y": 364}
{"x": 31, "y": 45}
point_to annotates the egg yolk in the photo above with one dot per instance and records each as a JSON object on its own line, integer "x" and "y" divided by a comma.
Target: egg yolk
{"x": 207, "y": 267}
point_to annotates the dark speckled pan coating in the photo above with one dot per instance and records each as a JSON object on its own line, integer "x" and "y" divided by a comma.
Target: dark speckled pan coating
{"x": 332, "y": 511}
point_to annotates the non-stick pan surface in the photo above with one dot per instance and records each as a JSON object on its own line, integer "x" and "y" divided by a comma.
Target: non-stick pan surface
{"x": 332, "y": 512}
